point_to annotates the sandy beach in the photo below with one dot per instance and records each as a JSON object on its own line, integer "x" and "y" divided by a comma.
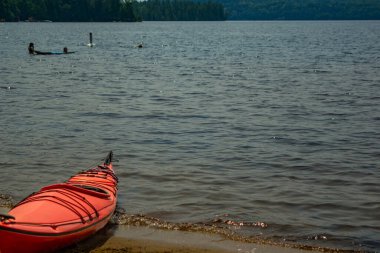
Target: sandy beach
{"x": 144, "y": 239}
{"x": 134, "y": 239}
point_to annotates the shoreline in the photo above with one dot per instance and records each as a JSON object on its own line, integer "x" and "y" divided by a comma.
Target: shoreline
{"x": 147, "y": 239}
{"x": 135, "y": 239}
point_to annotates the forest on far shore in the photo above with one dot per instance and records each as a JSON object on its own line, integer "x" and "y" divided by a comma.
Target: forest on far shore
{"x": 301, "y": 9}
{"x": 109, "y": 10}
{"x": 187, "y": 10}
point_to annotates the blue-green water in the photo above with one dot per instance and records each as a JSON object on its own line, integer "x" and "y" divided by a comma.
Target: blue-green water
{"x": 218, "y": 122}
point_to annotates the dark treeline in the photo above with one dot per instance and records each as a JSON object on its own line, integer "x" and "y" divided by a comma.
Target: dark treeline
{"x": 301, "y": 9}
{"x": 66, "y": 10}
{"x": 108, "y": 10}
{"x": 180, "y": 10}
{"x": 132, "y": 10}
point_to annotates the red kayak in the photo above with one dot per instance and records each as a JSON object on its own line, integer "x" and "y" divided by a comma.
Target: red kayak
{"x": 61, "y": 214}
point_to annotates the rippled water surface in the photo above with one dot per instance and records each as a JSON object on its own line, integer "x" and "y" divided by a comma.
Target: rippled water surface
{"x": 238, "y": 123}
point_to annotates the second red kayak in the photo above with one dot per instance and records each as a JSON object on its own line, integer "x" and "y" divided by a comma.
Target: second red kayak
{"x": 61, "y": 214}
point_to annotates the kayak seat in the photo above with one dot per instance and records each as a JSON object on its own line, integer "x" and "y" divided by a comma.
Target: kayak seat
{"x": 106, "y": 186}
{"x": 86, "y": 189}
{"x": 91, "y": 188}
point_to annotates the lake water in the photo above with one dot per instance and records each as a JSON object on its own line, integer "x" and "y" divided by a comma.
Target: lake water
{"x": 270, "y": 130}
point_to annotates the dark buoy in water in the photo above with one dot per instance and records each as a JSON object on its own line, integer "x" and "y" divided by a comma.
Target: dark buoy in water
{"x": 90, "y": 44}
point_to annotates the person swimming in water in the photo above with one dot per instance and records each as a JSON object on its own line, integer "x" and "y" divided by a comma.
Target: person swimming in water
{"x": 33, "y": 51}
{"x": 31, "y": 48}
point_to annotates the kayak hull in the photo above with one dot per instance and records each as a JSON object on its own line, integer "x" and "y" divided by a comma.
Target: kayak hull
{"x": 24, "y": 242}
{"x": 61, "y": 214}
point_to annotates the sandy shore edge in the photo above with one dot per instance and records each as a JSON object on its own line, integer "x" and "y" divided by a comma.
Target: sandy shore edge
{"x": 142, "y": 239}
{"x": 131, "y": 239}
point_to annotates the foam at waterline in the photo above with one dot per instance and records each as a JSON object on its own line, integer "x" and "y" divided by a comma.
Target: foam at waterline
{"x": 219, "y": 226}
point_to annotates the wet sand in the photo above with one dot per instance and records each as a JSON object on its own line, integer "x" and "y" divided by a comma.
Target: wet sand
{"x": 134, "y": 239}
{"x": 143, "y": 239}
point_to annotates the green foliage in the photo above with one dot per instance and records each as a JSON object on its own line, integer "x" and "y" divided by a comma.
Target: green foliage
{"x": 108, "y": 10}
{"x": 302, "y": 9}
{"x": 180, "y": 10}
{"x": 66, "y": 10}
{"x": 132, "y": 10}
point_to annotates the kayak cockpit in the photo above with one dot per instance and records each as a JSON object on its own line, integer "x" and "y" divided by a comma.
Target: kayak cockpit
{"x": 86, "y": 189}
{"x": 91, "y": 188}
